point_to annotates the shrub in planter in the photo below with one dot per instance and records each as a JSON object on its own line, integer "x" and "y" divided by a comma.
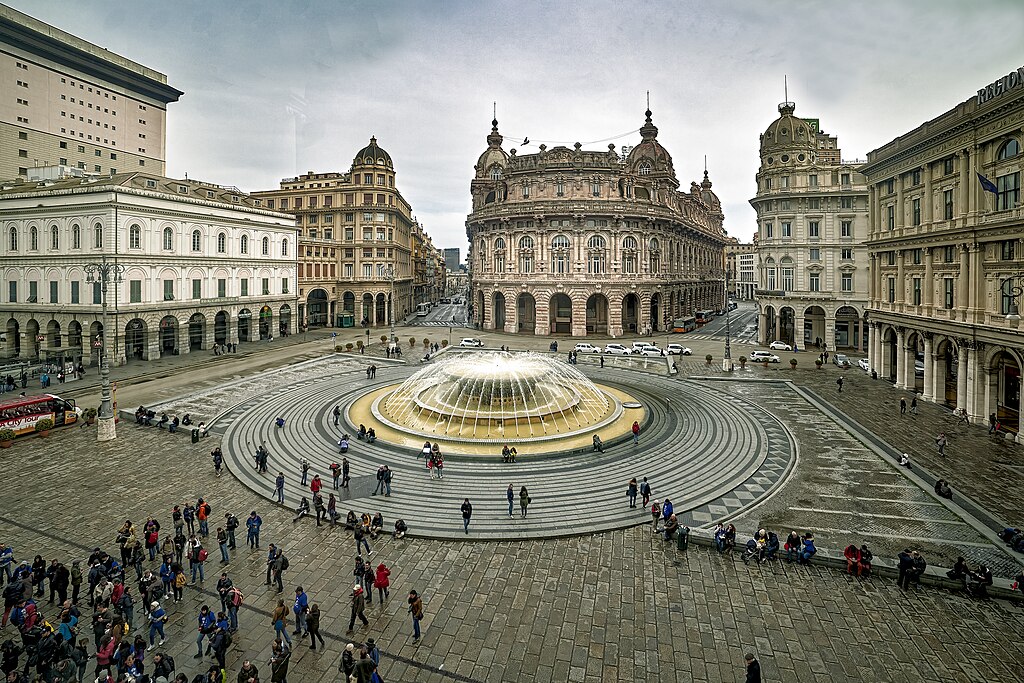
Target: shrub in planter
{"x": 412, "y": 342}
{"x": 383, "y": 339}
{"x": 818, "y": 363}
{"x": 444, "y": 343}
{"x": 349, "y": 346}
{"x": 338, "y": 348}
{"x": 6, "y": 437}
{"x": 44, "y": 426}
{"x": 426, "y": 342}
{"x": 359, "y": 344}
{"x": 89, "y": 415}
{"x": 743, "y": 361}
{"x": 708, "y": 359}
{"x": 792, "y": 363}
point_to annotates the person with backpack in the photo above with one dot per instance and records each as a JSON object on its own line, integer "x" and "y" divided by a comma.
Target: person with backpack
{"x": 197, "y": 555}
{"x": 203, "y": 511}
{"x": 220, "y": 641}
{"x": 126, "y": 607}
{"x": 645, "y": 491}
{"x": 280, "y": 566}
{"x": 218, "y": 460}
{"x": 188, "y": 513}
{"x": 235, "y": 599}
{"x": 163, "y": 665}
{"x": 252, "y": 530}
{"x": 157, "y": 618}
{"x": 524, "y": 500}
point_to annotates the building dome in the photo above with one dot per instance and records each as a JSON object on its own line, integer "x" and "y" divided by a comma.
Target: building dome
{"x": 650, "y": 151}
{"x": 372, "y": 155}
{"x": 787, "y": 133}
{"x": 494, "y": 155}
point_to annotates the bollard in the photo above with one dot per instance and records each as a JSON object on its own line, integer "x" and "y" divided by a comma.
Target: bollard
{"x": 195, "y": 435}
{"x": 682, "y": 537}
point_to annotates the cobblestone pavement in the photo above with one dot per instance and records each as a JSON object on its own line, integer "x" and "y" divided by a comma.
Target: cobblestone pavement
{"x": 618, "y": 606}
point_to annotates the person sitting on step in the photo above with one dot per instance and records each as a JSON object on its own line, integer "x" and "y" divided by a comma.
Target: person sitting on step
{"x": 302, "y": 510}
{"x": 371, "y": 436}
{"x": 598, "y": 444}
{"x": 376, "y": 525}
{"x": 351, "y": 520}
{"x": 361, "y": 434}
{"x": 400, "y": 528}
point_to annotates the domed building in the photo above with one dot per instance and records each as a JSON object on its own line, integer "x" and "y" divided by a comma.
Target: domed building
{"x": 812, "y": 215}
{"x": 574, "y": 241}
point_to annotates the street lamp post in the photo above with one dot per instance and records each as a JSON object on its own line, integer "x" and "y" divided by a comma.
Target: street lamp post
{"x": 1013, "y": 287}
{"x": 389, "y": 273}
{"x": 104, "y": 273}
{"x": 727, "y": 364}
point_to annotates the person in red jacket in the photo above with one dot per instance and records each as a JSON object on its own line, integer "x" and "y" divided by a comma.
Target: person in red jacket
{"x": 852, "y": 555}
{"x": 316, "y": 484}
{"x": 381, "y": 581}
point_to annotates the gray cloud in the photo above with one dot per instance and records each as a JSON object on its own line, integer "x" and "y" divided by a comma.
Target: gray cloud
{"x": 273, "y": 89}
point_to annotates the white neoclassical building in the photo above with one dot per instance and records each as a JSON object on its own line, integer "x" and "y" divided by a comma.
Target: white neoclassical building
{"x": 202, "y": 264}
{"x": 947, "y": 256}
{"x": 812, "y": 215}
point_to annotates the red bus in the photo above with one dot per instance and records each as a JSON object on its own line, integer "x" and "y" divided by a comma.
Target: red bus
{"x": 21, "y": 414}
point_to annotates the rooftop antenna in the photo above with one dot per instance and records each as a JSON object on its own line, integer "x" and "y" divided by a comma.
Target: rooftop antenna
{"x": 648, "y": 99}
{"x": 495, "y": 110}
{"x": 705, "y": 164}
{"x": 785, "y": 87}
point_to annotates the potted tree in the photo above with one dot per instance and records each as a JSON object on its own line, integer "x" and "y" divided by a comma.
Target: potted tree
{"x": 412, "y": 342}
{"x": 792, "y": 363}
{"x": 359, "y": 345}
{"x": 349, "y": 346}
{"x": 383, "y": 339}
{"x": 44, "y": 426}
{"x": 444, "y": 343}
{"x": 743, "y": 362}
{"x": 708, "y": 359}
{"x": 7, "y": 438}
{"x": 426, "y": 342}
{"x": 90, "y": 416}
{"x": 818, "y": 363}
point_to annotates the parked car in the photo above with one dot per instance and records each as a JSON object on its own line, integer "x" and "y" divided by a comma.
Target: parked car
{"x": 647, "y": 351}
{"x": 616, "y": 350}
{"x": 585, "y": 347}
{"x": 780, "y": 346}
{"x": 863, "y": 364}
{"x": 762, "y": 356}
{"x": 678, "y": 350}
{"x": 446, "y": 300}
{"x": 471, "y": 342}
{"x": 642, "y": 344}
{"x": 841, "y": 360}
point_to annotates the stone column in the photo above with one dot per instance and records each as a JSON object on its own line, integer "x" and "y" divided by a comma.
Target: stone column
{"x": 542, "y": 325}
{"x": 233, "y": 329}
{"x": 928, "y": 295}
{"x": 975, "y": 383}
{"x": 872, "y": 353}
{"x": 965, "y": 184}
{"x": 208, "y": 334}
{"x": 798, "y": 330}
{"x": 929, "y": 368}
{"x": 927, "y": 209}
{"x": 976, "y": 286}
{"x": 778, "y": 326}
{"x": 899, "y": 202}
{"x": 961, "y": 376}
{"x": 579, "y": 314}
{"x": 762, "y": 328}
{"x": 901, "y": 282}
{"x": 830, "y": 330}
{"x": 963, "y": 283}
{"x": 873, "y": 214}
{"x": 182, "y": 341}
{"x": 900, "y": 359}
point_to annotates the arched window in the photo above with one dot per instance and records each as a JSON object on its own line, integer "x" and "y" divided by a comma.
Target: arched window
{"x": 560, "y": 255}
{"x": 76, "y": 237}
{"x": 526, "y": 242}
{"x": 245, "y": 244}
{"x": 495, "y": 173}
{"x": 97, "y": 236}
{"x": 54, "y": 238}
{"x": 596, "y": 258}
{"x": 654, "y": 244}
{"x": 266, "y": 246}
{"x": 197, "y": 240}
{"x": 630, "y": 243}
{"x": 499, "y": 243}
{"x": 629, "y": 255}
{"x": 655, "y": 256}
{"x": 596, "y": 242}
{"x": 168, "y": 239}
{"x": 222, "y": 243}
{"x": 645, "y": 169}
{"x": 134, "y": 237}
{"x": 33, "y": 238}
{"x": 12, "y": 239}
{"x": 284, "y": 247}
{"x": 1010, "y": 149}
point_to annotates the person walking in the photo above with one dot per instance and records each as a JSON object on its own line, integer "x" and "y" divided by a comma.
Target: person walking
{"x": 313, "y": 627}
{"x": 645, "y": 491}
{"x": 913, "y": 405}
{"x": 222, "y": 541}
{"x": 344, "y": 473}
{"x": 206, "y": 621}
{"x": 279, "y": 618}
{"x": 655, "y": 515}
{"x": 940, "y": 442}
{"x": 993, "y": 423}
{"x": 636, "y": 433}
{"x": 337, "y": 414}
{"x": 300, "y": 607}
{"x": 218, "y": 460}
{"x": 753, "y": 668}
{"x": 279, "y": 487}
{"x": 510, "y": 495}
{"x": 157, "y": 617}
{"x": 252, "y": 530}
{"x": 361, "y": 541}
{"x": 839, "y": 384}
{"x": 358, "y": 608}
{"x": 382, "y": 582}
{"x": 524, "y": 500}
{"x": 416, "y": 610}
{"x": 467, "y": 513}
{"x": 230, "y": 526}
{"x": 304, "y": 464}
{"x": 631, "y": 489}
{"x": 903, "y": 405}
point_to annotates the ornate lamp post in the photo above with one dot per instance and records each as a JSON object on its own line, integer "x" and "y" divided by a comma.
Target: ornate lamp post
{"x": 1013, "y": 287}
{"x": 104, "y": 273}
{"x": 727, "y": 361}
{"x": 389, "y": 273}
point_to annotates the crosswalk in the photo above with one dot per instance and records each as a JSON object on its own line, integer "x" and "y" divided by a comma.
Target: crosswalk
{"x": 436, "y": 323}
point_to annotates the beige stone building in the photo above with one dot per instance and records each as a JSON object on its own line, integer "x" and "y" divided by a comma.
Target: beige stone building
{"x": 357, "y": 240}
{"x": 812, "y": 215}
{"x": 947, "y": 256}
{"x": 740, "y": 261}
{"x": 67, "y": 102}
{"x": 570, "y": 241}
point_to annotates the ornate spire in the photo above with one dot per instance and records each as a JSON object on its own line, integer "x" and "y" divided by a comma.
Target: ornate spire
{"x": 649, "y": 131}
{"x": 706, "y": 183}
{"x": 494, "y": 139}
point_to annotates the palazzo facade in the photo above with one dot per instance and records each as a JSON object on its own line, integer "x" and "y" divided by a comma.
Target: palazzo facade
{"x": 577, "y": 242}
{"x": 947, "y": 257}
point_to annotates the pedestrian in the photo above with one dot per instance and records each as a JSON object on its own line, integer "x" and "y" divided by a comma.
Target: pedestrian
{"x": 230, "y": 525}
{"x": 655, "y": 515}
{"x": 206, "y": 621}
{"x": 993, "y": 423}
{"x": 387, "y": 480}
{"x": 645, "y": 491}
{"x": 344, "y": 473}
{"x": 300, "y": 607}
{"x": 467, "y": 512}
{"x": 631, "y": 489}
{"x": 913, "y": 405}
{"x": 335, "y": 475}
{"x": 940, "y": 442}
{"x": 280, "y": 564}
{"x": 279, "y": 618}
{"x": 316, "y": 484}
{"x": 839, "y": 383}
{"x": 510, "y": 494}
{"x": 753, "y": 668}
{"x": 636, "y": 433}
{"x": 157, "y": 618}
{"x": 382, "y": 582}
{"x": 313, "y": 627}
{"x": 903, "y": 406}
{"x": 222, "y": 541}
{"x": 224, "y": 586}
{"x": 218, "y": 460}
{"x": 279, "y": 487}
{"x": 304, "y": 464}
{"x": 358, "y": 607}
{"x": 337, "y": 414}
{"x": 361, "y": 541}
{"x": 524, "y": 500}
{"x": 905, "y": 563}
{"x": 602, "y": 361}
{"x": 234, "y": 601}
{"x": 347, "y": 666}
{"x": 416, "y": 610}
{"x": 252, "y": 530}
{"x": 380, "y": 481}
{"x": 318, "y": 506}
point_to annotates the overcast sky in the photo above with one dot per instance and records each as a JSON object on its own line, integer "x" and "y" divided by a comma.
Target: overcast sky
{"x": 273, "y": 89}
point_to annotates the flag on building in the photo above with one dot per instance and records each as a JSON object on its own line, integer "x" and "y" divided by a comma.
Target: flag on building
{"x": 987, "y": 184}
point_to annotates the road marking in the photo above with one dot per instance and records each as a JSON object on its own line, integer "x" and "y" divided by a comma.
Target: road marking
{"x": 956, "y": 522}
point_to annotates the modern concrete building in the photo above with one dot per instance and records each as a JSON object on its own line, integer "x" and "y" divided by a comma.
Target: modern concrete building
{"x": 203, "y": 264}
{"x": 452, "y": 258}
{"x": 741, "y": 262}
{"x": 946, "y": 245}
{"x": 812, "y": 216}
{"x": 569, "y": 241}
{"x": 357, "y": 238}
{"x": 65, "y": 101}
